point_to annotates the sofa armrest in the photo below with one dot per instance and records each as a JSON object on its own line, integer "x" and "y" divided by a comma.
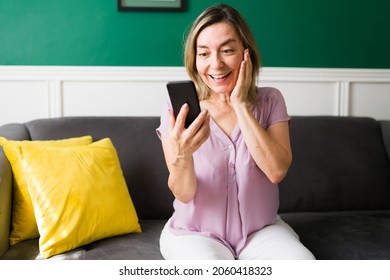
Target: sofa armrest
{"x": 386, "y": 136}
{"x": 14, "y": 131}
{"x": 5, "y": 202}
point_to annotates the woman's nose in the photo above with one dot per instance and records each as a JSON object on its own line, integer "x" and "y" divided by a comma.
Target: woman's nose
{"x": 216, "y": 61}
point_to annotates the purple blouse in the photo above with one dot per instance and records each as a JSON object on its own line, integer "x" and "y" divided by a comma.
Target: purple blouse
{"x": 234, "y": 198}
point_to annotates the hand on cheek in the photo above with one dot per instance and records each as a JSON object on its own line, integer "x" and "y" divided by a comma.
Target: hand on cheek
{"x": 244, "y": 80}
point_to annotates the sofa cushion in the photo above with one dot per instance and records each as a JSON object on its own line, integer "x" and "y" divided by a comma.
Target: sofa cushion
{"x": 144, "y": 246}
{"x": 339, "y": 163}
{"x": 79, "y": 195}
{"x": 348, "y": 235}
{"x": 24, "y": 225}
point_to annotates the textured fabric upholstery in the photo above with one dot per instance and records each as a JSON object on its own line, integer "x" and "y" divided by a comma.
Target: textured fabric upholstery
{"x": 339, "y": 164}
{"x": 336, "y": 195}
{"x": 386, "y": 135}
{"x": 340, "y": 235}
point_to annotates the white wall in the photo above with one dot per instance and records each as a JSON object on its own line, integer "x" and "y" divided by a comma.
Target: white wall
{"x": 28, "y": 93}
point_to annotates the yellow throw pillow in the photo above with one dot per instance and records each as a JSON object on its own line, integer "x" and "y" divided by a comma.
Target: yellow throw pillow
{"x": 24, "y": 225}
{"x": 79, "y": 195}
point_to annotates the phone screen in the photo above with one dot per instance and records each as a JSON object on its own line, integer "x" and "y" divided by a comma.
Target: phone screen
{"x": 182, "y": 92}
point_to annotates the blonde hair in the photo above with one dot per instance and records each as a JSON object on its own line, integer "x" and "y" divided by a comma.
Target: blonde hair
{"x": 212, "y": 15}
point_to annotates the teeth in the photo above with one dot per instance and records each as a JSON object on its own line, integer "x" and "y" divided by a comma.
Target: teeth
{"x": 218, "y": 76}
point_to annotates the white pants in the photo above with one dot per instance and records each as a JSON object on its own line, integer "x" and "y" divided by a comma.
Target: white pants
{"x": 274, "y": 242}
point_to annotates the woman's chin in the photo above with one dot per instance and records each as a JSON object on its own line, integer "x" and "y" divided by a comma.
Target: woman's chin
{"x": 221, "y": 89}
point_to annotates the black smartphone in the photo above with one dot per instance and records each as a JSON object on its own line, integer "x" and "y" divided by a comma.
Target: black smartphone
{"x": 182, "y": 92}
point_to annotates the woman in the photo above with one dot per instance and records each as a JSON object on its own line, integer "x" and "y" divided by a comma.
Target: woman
{"x": 224, "y": 169}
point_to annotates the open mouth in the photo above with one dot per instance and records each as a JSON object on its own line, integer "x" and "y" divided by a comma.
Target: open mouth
{"x": 219, "y": 76}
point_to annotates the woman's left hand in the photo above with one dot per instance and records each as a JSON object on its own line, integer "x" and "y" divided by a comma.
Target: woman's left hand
{"x": 240, "y": 92}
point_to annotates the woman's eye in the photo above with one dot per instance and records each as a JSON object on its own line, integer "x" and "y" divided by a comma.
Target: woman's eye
{"x": 202, "y": 54}
{"x": 227, "y": 51}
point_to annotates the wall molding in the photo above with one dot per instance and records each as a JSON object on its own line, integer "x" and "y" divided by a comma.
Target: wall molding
{"x": 57, "y": 91}
{"x": 134, "y": 73}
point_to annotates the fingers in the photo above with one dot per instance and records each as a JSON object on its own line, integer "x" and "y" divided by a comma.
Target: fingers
{"x": 181, "y": 117}
{"x": 179, "y": 123}
{"x": 198, "y": 122}
{"x": 244, "y": 79}
{"x": 202, "y": 134}
{"x": 246, "y": 69}
{"x": 198, "y": 132}
{"x": 241, "y": 75}
{"x": 187, "y": 141}
{"x": 172, "y": 119}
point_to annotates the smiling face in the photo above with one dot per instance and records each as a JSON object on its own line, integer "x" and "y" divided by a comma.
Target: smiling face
{"x": 219, "y": 53}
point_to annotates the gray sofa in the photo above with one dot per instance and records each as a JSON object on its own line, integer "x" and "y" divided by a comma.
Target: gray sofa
{"x": 336, "y": 195}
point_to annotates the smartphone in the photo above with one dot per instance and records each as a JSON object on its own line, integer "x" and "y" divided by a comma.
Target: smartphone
{"x": 182, "y": 92}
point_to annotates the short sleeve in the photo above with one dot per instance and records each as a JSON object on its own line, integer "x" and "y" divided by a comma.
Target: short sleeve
{"x": 271, "y": 107}
{"x": 163, "y": 129}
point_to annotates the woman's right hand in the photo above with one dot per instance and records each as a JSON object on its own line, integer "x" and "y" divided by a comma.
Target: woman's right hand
{"x": 179, "y": 147}
{"x": 185, "y": 141}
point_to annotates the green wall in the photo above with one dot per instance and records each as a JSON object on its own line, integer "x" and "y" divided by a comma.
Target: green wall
{"x": 290, "y": 33}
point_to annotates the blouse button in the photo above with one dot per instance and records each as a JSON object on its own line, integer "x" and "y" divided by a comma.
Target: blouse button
{"x": 230, "y": 147}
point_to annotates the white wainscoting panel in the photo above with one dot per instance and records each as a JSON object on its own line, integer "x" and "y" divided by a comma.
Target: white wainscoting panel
{"x": 23, "y": 100}
{"x": 309, "y": 98}
{"x": 30, "y": 92}
{"x": 109, "y": 98}
{"x": 370, "y": 99}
